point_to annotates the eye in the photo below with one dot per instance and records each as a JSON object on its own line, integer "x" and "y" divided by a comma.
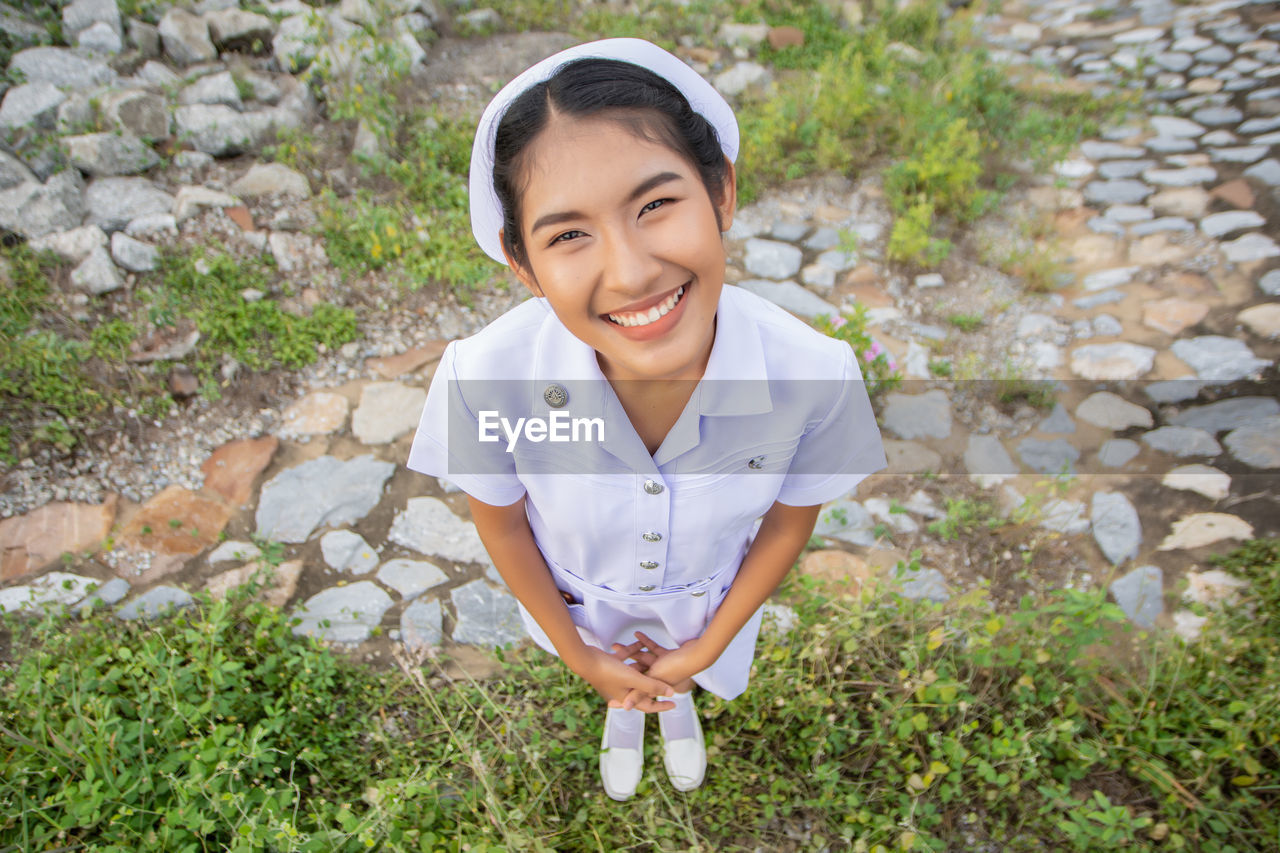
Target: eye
{"x": 561, "y": 238}
{"x": 655, "y": 204}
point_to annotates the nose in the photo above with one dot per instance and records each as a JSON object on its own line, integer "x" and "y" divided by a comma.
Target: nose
{"x": 630, "y": 266}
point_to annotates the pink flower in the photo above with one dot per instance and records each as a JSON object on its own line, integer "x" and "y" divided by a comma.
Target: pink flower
{"x": 874, "y": 351}
{"x": 838, "y": 322}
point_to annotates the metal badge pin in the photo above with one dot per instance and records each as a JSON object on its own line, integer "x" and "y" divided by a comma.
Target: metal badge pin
{"x": 556, "y": 396}
{"x": 755, "y": 463}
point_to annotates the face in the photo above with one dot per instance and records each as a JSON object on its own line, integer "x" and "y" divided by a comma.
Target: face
{"x": 621, "y": 238}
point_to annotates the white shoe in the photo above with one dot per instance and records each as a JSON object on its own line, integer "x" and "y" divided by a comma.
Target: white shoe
{"x": 622, "y": 752}
{"x": 685, "y": 758}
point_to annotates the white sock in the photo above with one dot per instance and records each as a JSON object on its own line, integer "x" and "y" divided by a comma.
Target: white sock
{"x": 624, "y": 729}
{"x": 679, "y": 721}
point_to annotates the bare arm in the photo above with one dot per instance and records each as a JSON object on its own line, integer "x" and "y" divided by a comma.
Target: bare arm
{"x": 506, "y": 535}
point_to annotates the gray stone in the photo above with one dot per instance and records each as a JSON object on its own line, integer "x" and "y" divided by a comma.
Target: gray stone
{"x": 485, "y": 616}
{"x": 152, "y": 225}
{"x": 428, "y": 526}
{"x": 1228, "y": 414}
{"x": 1102, "y": 225}
{"x": 234, "y": 550}
{"x": 100, "y": 39}
{"x": 141, "y": 113}
{"x": 96, "y": 274}
{"x": 1186, "y": 177}
{"x": 343, "y": 614}
{"x": 1116, "y": 192}
{"x": 61, "y": 67}
{"x": 110, "y": 593}
{"x": 13, "y": 172}
{"x": 1173, "y": 61}
{"x": 1182, "y": 441}
{"x": 1250, "y": 247}
{"x": 1118, "y": 361}
{"x": 1048, "y": 457}
{"x": 1113, "y": 169}
{"x": 219, "y": 130}
{"x": 480, "y": 20}
{"x": 31, "y": 105}
{"x": 1126, "y": 213}
{"x": 320, "y": 492}
{"x": 987, "y": 462}
{"x": 194, "y": 200}
{"x": 421, "y": 624}
{"x": 1268, "y": 172}
{"x": 410, "y": 578}
{"x": 1161, "y": 225}
{"x": 145, "y": 37}
{"x": 133, "y": 255}
{"x": 848, "y": 521}
{"x": 838, "y": 260}
{"x": 1260, "y": 125}
{"x": 1256, "y": 444}
{"x": 157, "y": 74}
{"x": 82, "y": 14}
{"x": 881, "y": 510}
{"x": 742, "y": 77}
{"x": 236, "y": 28}
{"x": 74, "y": 245}
{"x": 213, "y": 89}
{"x": 34, "y": 210}
{"x": 1063, "y": 516}
{"x": 387, "y": 411}
{"x": 921, "y": 584}
{"x": 1044, "y": 355}
{"x": 1217, "y": 116}
{"x": 1239, "y": 154}
{"x": 1036, "y": 325}
{"x": 1103, "y": 279}
{"x": 772, "y": 259}
{"x": 918, "y": 415}
{"x": 1095, "y": 300}
{"x": 823, "y": 239}
{"x": 1111, "y": 411}
{"x": 347, "y": 551}
{"x": 155, "y": 602}
{"x": 1218, "y": 138}
{"x": 1106, "y": 326}
{"x": 1116, "y": 527}
{"x": 1218, "y": 357}
{"x": 1175, "y": 390}
{"x": 1222, "y": 224}
{"x": 107, "y": 154}
{"x": 1201, "y": 479}
{"x": 1109, "y": 150}
{"x": 1140, "y": 594}
{"x": 295, "y": 43}
{"x": 930, "y": 280}
{"x": 790, "y": 296}
{"x": 113, "y": 202}
{"x": 819, "y": 276}
{"x": 52, "y": 589}
{"x": 1170, "y": 145}
{"x": 1172, "y": 126}
{"x": 1270, "y": 283}
{"x": 1117, "y": 452}
{"x": 186, "y": 38}
{"x": 1059, "y": 421}
{"x": 271, "y": 179}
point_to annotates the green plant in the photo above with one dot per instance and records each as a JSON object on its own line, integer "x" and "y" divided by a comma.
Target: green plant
{"x": 1012, "y": 385}
{"x": 963, "y": 517}
{"x": 966, "y": 322}
{"x": 879, "y": 370}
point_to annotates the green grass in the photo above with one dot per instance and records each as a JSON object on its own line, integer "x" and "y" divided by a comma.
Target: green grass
{"x": 876, "y": 724}
{"x": 966, "y": 322}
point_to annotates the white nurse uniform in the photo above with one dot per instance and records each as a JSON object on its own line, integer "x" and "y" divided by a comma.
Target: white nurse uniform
{"x": 645, "y": 542}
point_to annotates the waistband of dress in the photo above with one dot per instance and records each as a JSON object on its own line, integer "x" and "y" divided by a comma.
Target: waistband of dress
{"x": 696, "y": 589}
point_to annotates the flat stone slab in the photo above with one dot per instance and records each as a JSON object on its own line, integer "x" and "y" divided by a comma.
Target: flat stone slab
{"x": 926, "y": 415}
{"x": 1218, "y": 357}
{"x": 1058, "y": 421}
{"x": 1118, "y": 360}
{"x": 422, "y": 624}
{"x": 486, "y": 616}
{"x": 1257, "y": 444}
{"x": 1201, "y": 479}
{"x": 38, "y": 539}
{"x": 922, "y": 584}
{"x": 1122, "y": 191}
{"x": 411, "y": 578}
{"x": 1227, "y": 414}
{"x": 234, "y": 550}
{"x": 791, "y": 297}
{"x": 156, "y": 601}
{"x": 1066, "y": 517}
{"x": 347, "y": 551}
{"x": 322, "y": 492}
{"x": 1140, "y": 595}
{"x": 1263, "y": 320}
{"x": 1229, "y": 222}
{"x": 1213, "y": 588}
{"x": 54, "y": 588}
{"x": 1048, "y": 457}
{"x": 428, "y": 526}
{"x": 772, "y": 259}
{"x": 343, "y": 614}
{"x": 1205, "y": 528}
{"x": 848, "y": 521}
{"x": 1117, "y": 452}
{"x": 987, "y": 461}
{"x": 1182, "y": 441}
{"x": 1113, "y": 412}
{"x": 1250, "y": 247}
{"x": 318, "y": 413}
{"x": 1116, "y": 527}
{"x": 387, "y": 411}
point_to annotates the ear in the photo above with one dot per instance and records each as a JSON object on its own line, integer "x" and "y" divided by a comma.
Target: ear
{"x": 523, "y": 273}
{"x": 729, "y": 198}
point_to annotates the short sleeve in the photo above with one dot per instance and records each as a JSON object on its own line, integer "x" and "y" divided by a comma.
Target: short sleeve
{"x": 839, "y": 451}
{"x": 446, "y": 411}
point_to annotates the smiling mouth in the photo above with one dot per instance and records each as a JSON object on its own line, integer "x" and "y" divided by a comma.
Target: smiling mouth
{"x": 652, "y": 315}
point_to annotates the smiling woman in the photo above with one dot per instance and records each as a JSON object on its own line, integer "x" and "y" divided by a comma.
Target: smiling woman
{"x": 604, "y": 177}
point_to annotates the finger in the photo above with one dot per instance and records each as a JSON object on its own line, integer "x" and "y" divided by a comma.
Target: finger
{"x": 646, "y": 658}
{"x": 634, "y": 647}
{"x": 651, "y": 645}
{"x": 653, "y": 706}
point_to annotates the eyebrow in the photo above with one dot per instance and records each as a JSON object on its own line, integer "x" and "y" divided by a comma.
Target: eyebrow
{"x": 641, "y": 188}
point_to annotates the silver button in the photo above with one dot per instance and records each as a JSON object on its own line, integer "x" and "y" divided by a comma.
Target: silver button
{"x": 698, "y": 592}
{"x": 648, "y": 564}
{"x": 653, "y": 487}
{"x": 651, "y": 537}
{"x": 556, "y": 396}
{"x": 646, "y": 587}
{"x": 755, "y": 463}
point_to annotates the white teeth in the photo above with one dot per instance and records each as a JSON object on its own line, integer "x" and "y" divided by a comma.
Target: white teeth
{"x": 645, "y": 318}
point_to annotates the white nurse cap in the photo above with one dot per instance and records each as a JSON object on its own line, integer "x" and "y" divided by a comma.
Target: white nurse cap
{"x": 486, "y": 210}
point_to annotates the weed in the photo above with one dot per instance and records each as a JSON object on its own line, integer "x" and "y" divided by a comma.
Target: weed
{"x": 879, "y": 370}
{"x": 966, "y": 322}
{"x": 963, "y": 517}
{"x": 1012, "y": 385}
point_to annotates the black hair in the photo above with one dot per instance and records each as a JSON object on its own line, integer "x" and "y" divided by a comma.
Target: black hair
{"x": 647, "y": 104}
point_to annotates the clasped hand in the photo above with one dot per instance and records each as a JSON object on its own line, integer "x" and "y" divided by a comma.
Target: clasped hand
{"x": 650, "y": 676}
